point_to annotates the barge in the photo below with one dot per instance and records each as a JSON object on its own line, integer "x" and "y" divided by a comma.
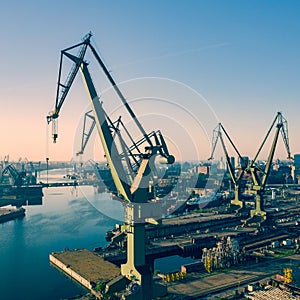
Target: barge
{"x": 10, "y": 213}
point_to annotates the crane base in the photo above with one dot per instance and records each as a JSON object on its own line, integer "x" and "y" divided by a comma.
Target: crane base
{"x": 260, "y": 213}
{"x": 237, "y": 202}
{"x": 256, "y": 220}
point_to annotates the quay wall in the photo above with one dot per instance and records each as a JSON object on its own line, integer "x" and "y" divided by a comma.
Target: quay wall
{"x": 10, "y": 214}
{"x": 70, "y": 272}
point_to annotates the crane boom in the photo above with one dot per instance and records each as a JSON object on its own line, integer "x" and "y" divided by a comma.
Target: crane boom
{"x": 63, "y": 88}
{"x": 119, "y": 93}
{"x": 271, "y": 156}
{"x": 217, "y": 135}
{"x": 106, "y": 138}
{"x": 86, "y": 134}
{"x": 281, "y": 126}
{"x": 119, "y": 162}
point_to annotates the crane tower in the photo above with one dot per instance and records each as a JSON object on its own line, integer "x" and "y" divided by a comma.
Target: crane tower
{"x": 236, "y": 177}
{"x": 132, "y": 166}
{"x": 259, "y": 175}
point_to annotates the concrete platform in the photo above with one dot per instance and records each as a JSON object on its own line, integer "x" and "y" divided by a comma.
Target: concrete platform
{"x": 85, "y": 266}
{"x": 199, "y": 285}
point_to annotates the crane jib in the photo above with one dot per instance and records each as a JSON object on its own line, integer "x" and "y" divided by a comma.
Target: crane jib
{"x": 125, "y": 163}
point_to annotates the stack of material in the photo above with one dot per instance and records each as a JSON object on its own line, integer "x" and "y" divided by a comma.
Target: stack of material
{"x": 272, "y": 294}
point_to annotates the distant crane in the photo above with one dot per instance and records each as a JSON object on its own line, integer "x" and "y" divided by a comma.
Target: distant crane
{"x": 236, "y": 177}
{"x": 89, "y": 124}
{"x": 132, "y": 167}
{"x": 259, "y": 176}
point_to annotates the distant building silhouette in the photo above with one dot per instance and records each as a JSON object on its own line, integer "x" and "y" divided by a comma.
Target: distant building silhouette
{"x": 297, "y": 166}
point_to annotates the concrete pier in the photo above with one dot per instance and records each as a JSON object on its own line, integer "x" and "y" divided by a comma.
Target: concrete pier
{"x": 11, "y": 213}
{"x": 86, "y": 267}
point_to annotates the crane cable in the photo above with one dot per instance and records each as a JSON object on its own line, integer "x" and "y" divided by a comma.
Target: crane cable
{"x": 47, "y": 148}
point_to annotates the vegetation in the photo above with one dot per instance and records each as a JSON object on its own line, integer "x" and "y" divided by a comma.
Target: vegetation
{"x": 283, "y": 252}
{"x": 100, "y": 287}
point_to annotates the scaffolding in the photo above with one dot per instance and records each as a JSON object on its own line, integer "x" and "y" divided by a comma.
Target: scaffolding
{"x": 224, "y": 255}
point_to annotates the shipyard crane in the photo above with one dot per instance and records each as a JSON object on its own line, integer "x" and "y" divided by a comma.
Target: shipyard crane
{"x": 89, "y": 124}
{"x": 132, "y": 166}
{"x": 236, "y": 177}
{"x": 259, "y": 175}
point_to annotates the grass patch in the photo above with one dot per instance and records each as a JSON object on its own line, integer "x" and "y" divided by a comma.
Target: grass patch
{"x": 283, "y": 252}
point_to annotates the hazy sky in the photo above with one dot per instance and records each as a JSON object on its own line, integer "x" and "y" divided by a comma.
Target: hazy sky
{"x": 243, "y": 57}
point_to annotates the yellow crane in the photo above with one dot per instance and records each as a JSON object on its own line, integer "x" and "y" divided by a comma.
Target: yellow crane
{"x": 132, "y": 166}
{"x": 259, "y": 175}
{"x": 236, "y": 177}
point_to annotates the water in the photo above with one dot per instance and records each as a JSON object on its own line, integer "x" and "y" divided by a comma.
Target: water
{"x": 68, "y": 218}
{"x": 65, "y": 220}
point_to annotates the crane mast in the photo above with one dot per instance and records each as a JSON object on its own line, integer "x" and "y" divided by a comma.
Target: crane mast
{"x": 259, "y": 176}
{"x": 131, "y": 167}
{"x": 236, "y": 178}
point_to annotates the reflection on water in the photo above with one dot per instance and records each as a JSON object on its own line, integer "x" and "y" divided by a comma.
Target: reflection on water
{"x": 22, "y": 201}
{"x": 104, "y": 203}
{"x": 66, "y": 219}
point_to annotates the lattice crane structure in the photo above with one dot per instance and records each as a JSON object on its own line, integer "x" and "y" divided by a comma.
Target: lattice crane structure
{"x": 235, "y": 175}
{"x": 132, "y": 166}
{"x": 259, "y": 175}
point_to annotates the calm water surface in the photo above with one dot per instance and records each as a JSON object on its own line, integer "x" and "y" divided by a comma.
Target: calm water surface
{"x": 68, "y": 218}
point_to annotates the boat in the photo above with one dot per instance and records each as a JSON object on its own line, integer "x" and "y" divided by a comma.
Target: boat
{"x": 202, "y": 200}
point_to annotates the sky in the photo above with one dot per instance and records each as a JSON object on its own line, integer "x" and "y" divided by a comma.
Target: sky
{"x": 234, "y": 62}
